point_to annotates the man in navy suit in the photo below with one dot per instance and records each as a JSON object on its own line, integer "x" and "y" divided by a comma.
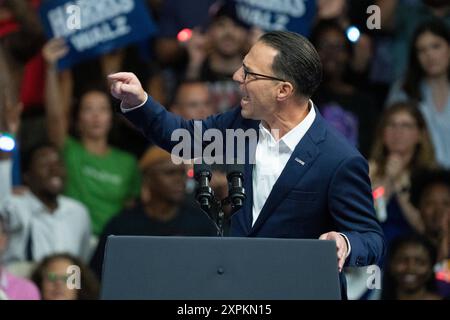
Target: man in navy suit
{"x": 319, "y": 186}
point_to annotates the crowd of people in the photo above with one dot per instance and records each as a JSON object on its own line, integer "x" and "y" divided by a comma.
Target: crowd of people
{"x": 79, "y": 172}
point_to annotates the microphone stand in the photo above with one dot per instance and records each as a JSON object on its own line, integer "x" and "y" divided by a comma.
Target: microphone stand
{"x": 213, "y": 207}
{"x": 217, "y": 214}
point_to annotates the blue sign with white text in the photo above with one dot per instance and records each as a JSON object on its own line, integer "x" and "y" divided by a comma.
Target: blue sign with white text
{"x": 269, "y": 15}
{"x": 95, "y": 27}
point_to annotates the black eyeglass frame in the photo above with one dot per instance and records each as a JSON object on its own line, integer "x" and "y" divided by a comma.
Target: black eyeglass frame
{"x": 261, "y": 76}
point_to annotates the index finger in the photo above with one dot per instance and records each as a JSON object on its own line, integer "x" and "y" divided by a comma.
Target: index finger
{"x": 119, "y": 76}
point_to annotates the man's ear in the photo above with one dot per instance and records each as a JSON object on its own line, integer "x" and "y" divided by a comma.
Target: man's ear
{"x": 285, "y": 91}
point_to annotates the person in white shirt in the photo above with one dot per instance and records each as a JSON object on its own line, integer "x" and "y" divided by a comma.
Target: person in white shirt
{"x": 41, "y": 220}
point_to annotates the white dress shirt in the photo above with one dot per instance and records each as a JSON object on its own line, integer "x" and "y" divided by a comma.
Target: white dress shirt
{"x": 271, "y": 157}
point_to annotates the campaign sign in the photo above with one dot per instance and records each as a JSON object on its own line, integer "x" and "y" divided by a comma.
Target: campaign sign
{"x": 95, "y": 27}
{"x": 269, "y": 15}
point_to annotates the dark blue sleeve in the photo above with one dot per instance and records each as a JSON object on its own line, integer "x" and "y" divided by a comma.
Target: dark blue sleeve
{"x": 159, "y": 125}
{"x": 351, "y": 206}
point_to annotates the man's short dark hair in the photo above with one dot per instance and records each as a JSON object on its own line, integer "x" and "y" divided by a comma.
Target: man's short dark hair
{"x": 297, "y": 61}
{"x": 326, "y": 25}
{"x": 423, "y": 179}
{"x": 27, "y": 156}
{"x": 186, "y": 82}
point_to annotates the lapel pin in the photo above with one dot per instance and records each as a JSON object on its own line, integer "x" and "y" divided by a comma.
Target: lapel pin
{"x": 300, "y": 161}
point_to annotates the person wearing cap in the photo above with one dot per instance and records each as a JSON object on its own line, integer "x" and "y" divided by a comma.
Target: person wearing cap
{"x": 163, "y": 210}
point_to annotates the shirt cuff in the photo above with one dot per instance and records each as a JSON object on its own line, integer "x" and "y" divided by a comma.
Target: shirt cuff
{"x": 349, "y": 247}
{"x": 125, "y": 110}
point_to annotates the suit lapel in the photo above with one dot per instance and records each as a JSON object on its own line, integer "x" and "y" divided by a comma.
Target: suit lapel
{"x": 298, "y": 164}
{"x": 248, "y": 210}
{"x": 301, "y": 160}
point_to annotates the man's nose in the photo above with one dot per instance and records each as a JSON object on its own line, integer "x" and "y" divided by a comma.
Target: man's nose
{"x": 411, "y": 265}
{"x": 57, "y": 169}
{"x": 238, "y": 75}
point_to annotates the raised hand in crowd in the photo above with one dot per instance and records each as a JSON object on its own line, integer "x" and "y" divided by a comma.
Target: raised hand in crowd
{"x": 197, "y": 50}
{"x": 10, "y": 110}
{"x": 54, "y": 50}
{"x": 58, "y": 88}
{"x": 11, "y": 113}
{"x": 395, "y": 166}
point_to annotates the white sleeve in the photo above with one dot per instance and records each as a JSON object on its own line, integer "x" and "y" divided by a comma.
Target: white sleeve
{"x": 86, "y": 247}
{"x": 5, "y": 178}
{"x": 125, "y": 110}
{"x": 349, "y": 246}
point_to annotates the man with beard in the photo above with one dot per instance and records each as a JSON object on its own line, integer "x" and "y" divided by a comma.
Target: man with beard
{"x": 215, "y": 55}
{"x": 40, "y": 220}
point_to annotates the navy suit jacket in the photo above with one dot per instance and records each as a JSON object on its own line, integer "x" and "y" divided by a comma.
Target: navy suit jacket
{"x": 331, "y": 191}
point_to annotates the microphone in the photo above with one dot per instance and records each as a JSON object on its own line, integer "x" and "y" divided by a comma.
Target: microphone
{"x": 204, "y": 195}
{"x": 236, "y": 191}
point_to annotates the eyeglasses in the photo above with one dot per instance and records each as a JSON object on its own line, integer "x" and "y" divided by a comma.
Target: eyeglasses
{"x": 53, "y": 277}
{"x": 401, "y": 125}
{"x": 261, "y": 76}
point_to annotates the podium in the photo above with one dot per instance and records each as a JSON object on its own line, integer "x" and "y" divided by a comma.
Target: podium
{"x": 210, "y": 268}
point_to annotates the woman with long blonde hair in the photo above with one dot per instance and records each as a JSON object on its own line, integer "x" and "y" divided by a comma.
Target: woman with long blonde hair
{"x": 401, "y": 147}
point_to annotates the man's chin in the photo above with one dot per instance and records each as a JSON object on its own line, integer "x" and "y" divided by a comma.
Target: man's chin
{"x": 245, "y": 114}
{"x": 53, "y": 192}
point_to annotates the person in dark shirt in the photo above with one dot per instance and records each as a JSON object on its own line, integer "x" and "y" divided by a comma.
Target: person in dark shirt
{"x": 215, "y": 55}
{"x": 350, "y": 111}
{"x": 164, "y": 209}
{"x": 409, "y": 271}
{"x": 430, "y": 194}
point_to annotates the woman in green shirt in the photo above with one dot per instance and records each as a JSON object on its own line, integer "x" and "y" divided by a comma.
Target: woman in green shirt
{"x": 104, "y": 178}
